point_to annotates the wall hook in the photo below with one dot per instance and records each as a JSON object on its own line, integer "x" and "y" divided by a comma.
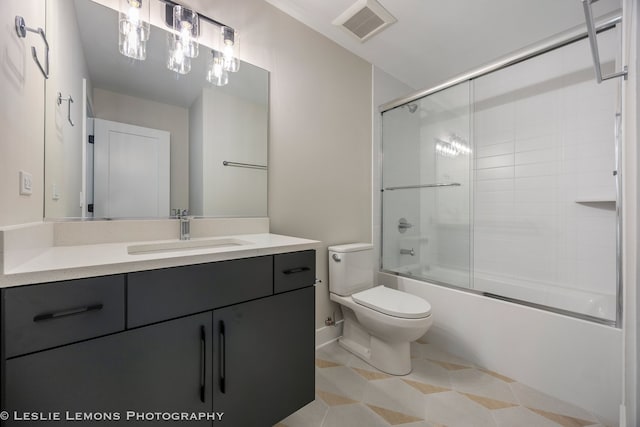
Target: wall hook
{"x": 69, "y": 101}
{"x": 21, "y": 30}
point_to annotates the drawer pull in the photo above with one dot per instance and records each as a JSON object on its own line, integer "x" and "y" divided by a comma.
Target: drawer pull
{"x": 67, "y": 313}
{"x": 296, "y": 270}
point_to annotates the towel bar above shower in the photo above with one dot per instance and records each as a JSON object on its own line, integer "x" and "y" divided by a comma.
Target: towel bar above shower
{"x": 593, "y": 42}
{"x": 407, "y": 187}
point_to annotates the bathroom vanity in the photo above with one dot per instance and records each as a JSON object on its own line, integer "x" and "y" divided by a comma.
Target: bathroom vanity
{"x": 231, "y": 338}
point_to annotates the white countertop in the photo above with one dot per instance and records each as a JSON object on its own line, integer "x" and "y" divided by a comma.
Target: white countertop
{"x": 56, "y": 263}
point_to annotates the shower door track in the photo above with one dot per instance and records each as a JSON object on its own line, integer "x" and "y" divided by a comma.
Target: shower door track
{"x": 563, "y": 39}
{"x": 525, "y": 303}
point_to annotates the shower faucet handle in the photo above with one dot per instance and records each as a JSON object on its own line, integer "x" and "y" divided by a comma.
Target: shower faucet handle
{"x": 403, "y": 224}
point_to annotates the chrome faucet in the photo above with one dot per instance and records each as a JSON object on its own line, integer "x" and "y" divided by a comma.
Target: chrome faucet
{"x": 407, "y": 252}
{"x": 185, "y": 225}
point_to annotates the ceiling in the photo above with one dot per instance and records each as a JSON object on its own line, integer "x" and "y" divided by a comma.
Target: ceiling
{"x": 435, "y": 40}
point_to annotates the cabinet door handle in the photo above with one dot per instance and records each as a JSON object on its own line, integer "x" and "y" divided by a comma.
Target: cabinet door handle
{"x": 67, "y": 313}
{"x": 203, "y": 361}
{"x": 221, "y": 349}
{"x": 295, "y": 270}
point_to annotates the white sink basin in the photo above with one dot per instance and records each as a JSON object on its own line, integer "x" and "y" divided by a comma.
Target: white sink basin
{"x": 184, "y": 245}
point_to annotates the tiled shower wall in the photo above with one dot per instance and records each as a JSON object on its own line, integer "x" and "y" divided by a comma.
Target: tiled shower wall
{"x": 544, "y": 199}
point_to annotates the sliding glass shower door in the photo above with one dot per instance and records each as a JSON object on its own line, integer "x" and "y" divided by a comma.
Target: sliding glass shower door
{"x": 426, "y": 188}
{"x": 508, "y": 184}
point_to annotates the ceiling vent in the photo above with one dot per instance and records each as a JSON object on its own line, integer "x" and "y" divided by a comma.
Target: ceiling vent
{"x": 364, "y": 19}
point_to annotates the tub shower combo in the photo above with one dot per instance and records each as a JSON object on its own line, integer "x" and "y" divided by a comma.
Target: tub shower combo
{"x": 506, "y": 181}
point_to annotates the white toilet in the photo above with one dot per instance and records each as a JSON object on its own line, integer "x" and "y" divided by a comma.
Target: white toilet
{"x": 379, "y": 322}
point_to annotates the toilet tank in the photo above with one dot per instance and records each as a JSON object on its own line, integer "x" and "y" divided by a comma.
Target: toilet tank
{"x": 350, "y": 268}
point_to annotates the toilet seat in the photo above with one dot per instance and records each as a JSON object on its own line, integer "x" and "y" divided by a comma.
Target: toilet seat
{"x": 393, "y": 302}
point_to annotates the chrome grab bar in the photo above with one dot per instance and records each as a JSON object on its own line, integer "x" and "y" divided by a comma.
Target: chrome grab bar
{"x": 593, "y": 42}
{"x": 406, "y": 187}
{"x": 244, "y": 165}
{"x": 21, "y": 29}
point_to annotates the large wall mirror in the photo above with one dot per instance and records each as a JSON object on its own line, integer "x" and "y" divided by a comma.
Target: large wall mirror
{"x": 132, "y": 139}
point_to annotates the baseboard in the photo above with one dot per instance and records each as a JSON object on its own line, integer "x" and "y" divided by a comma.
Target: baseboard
{"x": 328, "y": 334}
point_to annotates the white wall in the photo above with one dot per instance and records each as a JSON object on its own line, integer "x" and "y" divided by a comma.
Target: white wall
{"x": 122, "y": 108}
{"x": 21, "y": 113}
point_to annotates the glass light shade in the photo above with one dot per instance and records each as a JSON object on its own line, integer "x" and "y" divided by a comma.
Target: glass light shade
{"x": 230, "y": 45}
{"x": 186, "y": 24}
{"x": 216, "y": 74}
{"x": 177, "y": 60}
{"x": 133, "y": 28}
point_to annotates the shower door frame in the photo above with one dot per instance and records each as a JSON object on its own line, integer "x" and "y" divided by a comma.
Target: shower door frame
{"x": 607, "y": 22}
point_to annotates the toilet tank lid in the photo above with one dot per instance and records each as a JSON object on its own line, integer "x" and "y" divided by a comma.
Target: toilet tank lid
{"x": 351, "y": 247}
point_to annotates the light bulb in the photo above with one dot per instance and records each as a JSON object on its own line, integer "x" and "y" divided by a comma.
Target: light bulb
{"x": 230, "y": 43}
{"x": 177, "y": 58}
{"x": 186, "y": 23}
{"x": 133, "y": 28}
{"x": 216, "y": 74}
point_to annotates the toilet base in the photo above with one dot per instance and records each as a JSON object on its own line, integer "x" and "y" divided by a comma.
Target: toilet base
{"x": 391, "y": 358}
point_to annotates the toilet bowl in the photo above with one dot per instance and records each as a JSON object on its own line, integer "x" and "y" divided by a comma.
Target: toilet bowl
{"x": 379, "y": 322}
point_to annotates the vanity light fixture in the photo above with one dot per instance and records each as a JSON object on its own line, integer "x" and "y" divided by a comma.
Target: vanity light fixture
{"x": 134, "y": 28}
{"x": 216, "y": 73}
{"x": 182, "y": 40}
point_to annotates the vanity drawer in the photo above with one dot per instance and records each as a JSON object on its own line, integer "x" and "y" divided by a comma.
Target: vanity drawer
{"x": 52, "y": 314}
{"x": 294, "y": 270}
{"x": 158, "y": 295}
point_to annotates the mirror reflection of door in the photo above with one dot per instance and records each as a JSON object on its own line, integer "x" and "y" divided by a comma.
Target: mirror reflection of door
{"x": 131, "y": 171}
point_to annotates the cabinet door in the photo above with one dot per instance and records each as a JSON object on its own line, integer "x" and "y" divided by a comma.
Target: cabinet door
{"x": 160, "y": 368}
{"x": 264, "y": 358}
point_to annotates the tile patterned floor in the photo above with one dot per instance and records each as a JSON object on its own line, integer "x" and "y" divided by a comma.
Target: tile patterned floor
{"x": 442, "y": 390}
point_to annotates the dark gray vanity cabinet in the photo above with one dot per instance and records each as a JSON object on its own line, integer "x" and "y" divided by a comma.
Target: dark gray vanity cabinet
{"x": 264, "y": 358}
{"x": 233, "y": 337}
{"x": 163, "y": 367}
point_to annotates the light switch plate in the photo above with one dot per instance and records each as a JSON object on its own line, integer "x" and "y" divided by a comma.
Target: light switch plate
{"x": 26, "y": 183}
